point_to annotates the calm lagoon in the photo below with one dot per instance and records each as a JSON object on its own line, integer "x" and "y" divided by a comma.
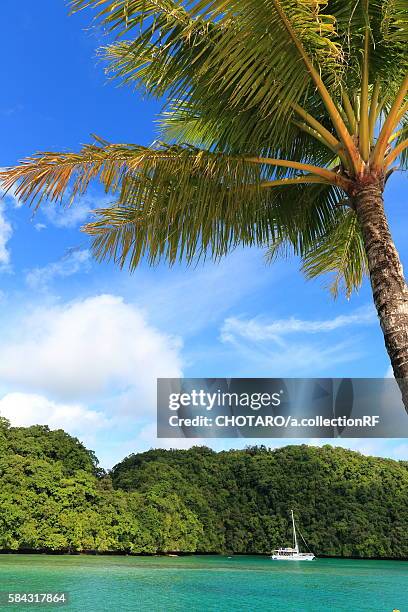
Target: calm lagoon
{"x": 97, "y": 583}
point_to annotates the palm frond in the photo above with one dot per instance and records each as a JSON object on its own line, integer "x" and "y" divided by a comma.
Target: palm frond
{"x": 208, "y": 222}
{"x": 399, "y": 152}
{"x": 272, "y": 108}
{"x": 387, "y": 24}
{"x": 341, "y": 254}
{"x": 247, "y": 57}
{"x": 49, "y": 175}
{"x": 336, "y": 250}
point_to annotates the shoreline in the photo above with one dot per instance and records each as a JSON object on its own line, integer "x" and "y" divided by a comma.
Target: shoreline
{"x": 96, "y": 553}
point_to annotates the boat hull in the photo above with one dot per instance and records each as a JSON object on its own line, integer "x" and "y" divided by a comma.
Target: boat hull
{"x": 292, "y": 554}
{"x": 295, "y": 557}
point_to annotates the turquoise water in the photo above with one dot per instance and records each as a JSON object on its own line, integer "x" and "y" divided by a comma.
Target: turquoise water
{"x": 242, "y": 584}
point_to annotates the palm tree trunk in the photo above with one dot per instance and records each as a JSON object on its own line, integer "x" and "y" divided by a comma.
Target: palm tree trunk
{"x": 388, "y": 284}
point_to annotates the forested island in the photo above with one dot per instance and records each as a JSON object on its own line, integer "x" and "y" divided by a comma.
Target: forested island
{"x": 55, "y": 498}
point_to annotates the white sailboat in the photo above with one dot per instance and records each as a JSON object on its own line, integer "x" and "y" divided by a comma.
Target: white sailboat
{"x": 292, "y": 554}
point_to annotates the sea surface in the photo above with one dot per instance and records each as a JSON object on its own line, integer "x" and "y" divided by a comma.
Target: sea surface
{"x": 253, "y": 584}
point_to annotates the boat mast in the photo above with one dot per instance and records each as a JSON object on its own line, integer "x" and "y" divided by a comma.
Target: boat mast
{"x": 294, "y": 533}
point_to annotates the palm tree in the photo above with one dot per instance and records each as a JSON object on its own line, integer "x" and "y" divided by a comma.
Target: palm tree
{"x": 282, "y": 122}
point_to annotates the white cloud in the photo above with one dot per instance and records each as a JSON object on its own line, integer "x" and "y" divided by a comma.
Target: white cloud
{"x": 5, "y": 235}
{"x": 69, "y": 217}
{"x": 291, "y": 358}
{"x": 208, "y": 291}
{"x": 284, "y": 347}
{"x": 39, "y": 227}
{"x": 72, "y": 263}
{"x": 93, "y": 348}
{"x": 258, "y": 330}
{"x": 6, "y": 230}
{"x": 25, "y": 409}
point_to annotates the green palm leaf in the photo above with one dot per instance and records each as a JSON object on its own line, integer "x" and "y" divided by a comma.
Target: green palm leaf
{"x": 340, "y": 253}
{"x": 274, "y": 110}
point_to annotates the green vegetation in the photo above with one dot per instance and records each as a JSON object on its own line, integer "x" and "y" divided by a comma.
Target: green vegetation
{"x": 53, "y": 497}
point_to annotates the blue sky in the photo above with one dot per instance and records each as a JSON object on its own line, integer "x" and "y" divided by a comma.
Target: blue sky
{"x": 81, "y": 343}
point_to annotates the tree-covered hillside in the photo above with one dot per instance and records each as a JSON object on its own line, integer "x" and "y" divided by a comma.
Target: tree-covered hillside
{"x": 53, "y": 497}
{"x": 347, "y": 504}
